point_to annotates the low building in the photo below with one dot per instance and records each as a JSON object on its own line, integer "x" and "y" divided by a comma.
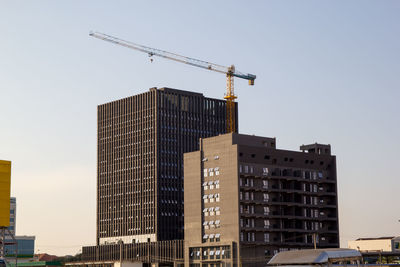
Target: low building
{"x": 36, "y": 264}
{"x": 246, "y": 200}
{"x": 316, "y": 257}
{"x": 154, "y": 254}
{"x": 25, "y": 244}
{"x": 378, "y": 244}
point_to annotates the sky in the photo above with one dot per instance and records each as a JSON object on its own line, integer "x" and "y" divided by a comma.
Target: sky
{"x": 327, "y": 72}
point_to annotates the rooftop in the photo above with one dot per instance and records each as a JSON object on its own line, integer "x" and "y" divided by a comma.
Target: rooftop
{"x": 315, "y": 256}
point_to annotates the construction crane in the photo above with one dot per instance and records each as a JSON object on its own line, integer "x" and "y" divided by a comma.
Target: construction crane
{"x": 229, "y": 71}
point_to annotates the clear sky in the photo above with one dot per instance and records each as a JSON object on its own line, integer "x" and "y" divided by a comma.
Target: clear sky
{"x": 327, "y": 71}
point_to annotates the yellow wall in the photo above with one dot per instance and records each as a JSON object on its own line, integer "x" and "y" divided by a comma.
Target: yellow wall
{"x": 5, "y": 183}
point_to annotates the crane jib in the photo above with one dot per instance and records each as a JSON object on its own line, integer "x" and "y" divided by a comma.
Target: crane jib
{"x": 231, "y": 125}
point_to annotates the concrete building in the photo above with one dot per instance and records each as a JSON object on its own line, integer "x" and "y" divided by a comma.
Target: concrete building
{"x": 378, "y": 244}
{"x": 141, "y": 141}
{"x": 246, "y": 200}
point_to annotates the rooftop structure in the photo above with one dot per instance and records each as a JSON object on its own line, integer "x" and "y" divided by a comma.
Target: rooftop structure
{"x": 376, "y": 244}
{"x": 315, "y": 257}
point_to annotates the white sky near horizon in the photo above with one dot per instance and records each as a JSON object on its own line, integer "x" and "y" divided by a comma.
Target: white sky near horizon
{"x": 327, "y": 72}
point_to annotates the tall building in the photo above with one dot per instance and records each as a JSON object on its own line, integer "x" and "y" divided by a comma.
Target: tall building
{"x": 141, "y": 141}
{"x": 246, "y": 200}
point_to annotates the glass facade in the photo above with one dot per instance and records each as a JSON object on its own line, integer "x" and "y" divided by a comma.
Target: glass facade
{"x": 26, "y": 247}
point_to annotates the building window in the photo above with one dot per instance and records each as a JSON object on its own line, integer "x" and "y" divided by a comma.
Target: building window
{"x": 251, "y": 169}
{"x": 266, "y": 197}
{"x": 205, "y": 187}
{"x": 205, "y": 172}
{"x": 216, "y": 157}
{"x": 266, "y": 237}
{"x": 265, "y": 183}
{"x": 216, "y": 184}
{"x": 240, "y": 168}
{"x": 217, "y": 237}
{"x": 217, "y": 211}
{"x": 211, "y": 251}
{"x": 246, "y": 169}
{"x": 211, "y": 224}
{"x": 266, "y": 224}
{"x": 266, "y": 210}
{"x": 211, "y": 237}
{"x": 205, "y": 211}
{"x": 205, "y": 257}
{"x": 315, "y": 175}
{"x": 265, "y": 171}
{"x": 211, "y": 211}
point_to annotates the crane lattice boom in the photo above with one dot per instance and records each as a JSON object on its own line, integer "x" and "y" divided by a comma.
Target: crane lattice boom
{"x": 229, "y": 71}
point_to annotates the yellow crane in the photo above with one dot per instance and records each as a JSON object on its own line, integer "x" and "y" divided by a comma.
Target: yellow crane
{"x": 230, "y": 72}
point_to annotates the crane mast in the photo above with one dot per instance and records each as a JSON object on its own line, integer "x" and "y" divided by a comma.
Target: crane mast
{"x": 230, "y": 72}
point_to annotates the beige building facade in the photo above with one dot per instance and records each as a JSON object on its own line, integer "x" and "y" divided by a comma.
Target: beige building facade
{"x": 382, "y": 244}
{"x": 245, "y": 200}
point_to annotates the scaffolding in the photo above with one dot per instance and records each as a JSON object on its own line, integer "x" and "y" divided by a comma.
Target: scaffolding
{"x": 5, "y": 232}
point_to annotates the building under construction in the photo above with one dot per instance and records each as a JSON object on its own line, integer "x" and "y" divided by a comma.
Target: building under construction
{"x": 246, "y": 200}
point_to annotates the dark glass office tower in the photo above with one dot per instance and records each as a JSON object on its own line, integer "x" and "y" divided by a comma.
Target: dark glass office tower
{"x": 141, "y": 141}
